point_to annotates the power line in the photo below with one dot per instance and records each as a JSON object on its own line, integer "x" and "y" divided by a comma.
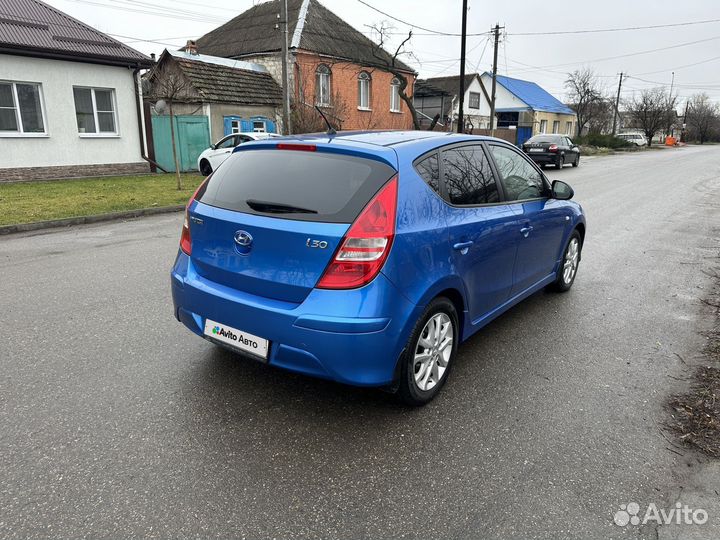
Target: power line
{"x": 624, "y": 29}
{"x": 677, "y": 45}
{"x": 436, "y": 32}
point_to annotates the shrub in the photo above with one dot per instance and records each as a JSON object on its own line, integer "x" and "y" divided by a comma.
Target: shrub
{"x": 607, "y": 141}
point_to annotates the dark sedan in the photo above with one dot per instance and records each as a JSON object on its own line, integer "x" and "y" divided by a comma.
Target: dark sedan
{"x": 552, "y": 149}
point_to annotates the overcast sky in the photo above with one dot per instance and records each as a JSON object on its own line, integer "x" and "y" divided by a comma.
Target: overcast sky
{"x": 544, "y": 59}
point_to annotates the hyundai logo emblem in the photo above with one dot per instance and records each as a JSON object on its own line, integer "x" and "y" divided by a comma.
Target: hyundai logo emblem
{"x": 243, "y": 238}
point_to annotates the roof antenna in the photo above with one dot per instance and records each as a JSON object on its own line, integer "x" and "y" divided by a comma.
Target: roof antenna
{"x": 331, "y": 130}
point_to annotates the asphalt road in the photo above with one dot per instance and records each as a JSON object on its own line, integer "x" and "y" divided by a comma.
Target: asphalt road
{"x": 115, "y": 421}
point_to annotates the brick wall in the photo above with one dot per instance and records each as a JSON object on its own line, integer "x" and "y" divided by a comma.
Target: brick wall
{"x": 344, "y": 82}
{"x": 27, "y": 174}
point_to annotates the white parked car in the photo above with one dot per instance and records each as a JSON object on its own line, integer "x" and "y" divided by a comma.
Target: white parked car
{"x": 638, "y": 139}
{"x": 213, "y": 157}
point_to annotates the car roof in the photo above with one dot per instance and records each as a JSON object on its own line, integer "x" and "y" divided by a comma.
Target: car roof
{"x": 390, "y": 146}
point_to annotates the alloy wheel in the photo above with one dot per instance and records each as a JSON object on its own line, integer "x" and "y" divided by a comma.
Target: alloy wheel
{"x": 433, "y": 351}
{"x": 572, "y": 255}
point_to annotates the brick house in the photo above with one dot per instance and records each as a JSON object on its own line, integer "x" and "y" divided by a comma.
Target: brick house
{"x": 332, "y": 64}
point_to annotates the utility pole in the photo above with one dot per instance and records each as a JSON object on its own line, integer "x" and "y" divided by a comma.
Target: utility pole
{"x": 616, "y": 112}
{"x": 494, "y": 84}
{"x": 461, "y": 95}
{"x": 287, "y": 126}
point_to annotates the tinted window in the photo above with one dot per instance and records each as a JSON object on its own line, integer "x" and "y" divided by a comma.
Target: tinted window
{"x": 310, "y": 186}
{"x": 229, "y": 142}
{"x": 429, "y": 171}
{"x": 468, "y": 177}
{"x": 545, "y": 138}
{"x": 520, "y": 179}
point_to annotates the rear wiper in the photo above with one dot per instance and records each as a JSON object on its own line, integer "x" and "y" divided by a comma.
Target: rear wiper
{"x": 277, "y": 208}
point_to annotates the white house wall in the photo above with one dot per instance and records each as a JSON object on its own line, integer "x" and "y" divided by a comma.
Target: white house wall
{"x": 504, "y": 99}
{"x": 63, "y": 146}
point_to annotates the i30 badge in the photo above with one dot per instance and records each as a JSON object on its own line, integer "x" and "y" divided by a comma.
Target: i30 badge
{"x": 243, "y": 242}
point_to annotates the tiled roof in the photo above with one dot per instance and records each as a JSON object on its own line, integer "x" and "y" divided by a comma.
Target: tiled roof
{"x": 533, "y": 95}
{"x": 217, "y": 83}
{"x": 311, "y": 27}
{"x": 33, "y": 27}
{"x": 423, "y": 88}
{"x": 451, "y": 84}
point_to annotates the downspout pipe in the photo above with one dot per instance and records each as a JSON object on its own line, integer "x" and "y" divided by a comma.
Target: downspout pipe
{"x": 141, "y": 122}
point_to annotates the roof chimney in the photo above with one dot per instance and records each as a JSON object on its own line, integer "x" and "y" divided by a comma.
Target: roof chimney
{"x": 191, "y": 47}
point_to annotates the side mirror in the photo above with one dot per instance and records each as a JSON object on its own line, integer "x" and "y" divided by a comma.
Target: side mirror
{"x": 561, "y": 191}
{"x": 213, "y": 147}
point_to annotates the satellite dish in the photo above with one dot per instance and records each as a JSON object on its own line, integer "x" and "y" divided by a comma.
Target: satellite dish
{"x": 160, "y": 106}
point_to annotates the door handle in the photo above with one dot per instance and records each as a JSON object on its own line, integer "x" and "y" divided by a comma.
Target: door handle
{"x": 526, "y": 230}
{"x": 227, "y": 151}
{"x": 462, "y": 247}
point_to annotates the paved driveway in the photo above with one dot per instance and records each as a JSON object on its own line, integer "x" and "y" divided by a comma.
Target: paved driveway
{"x": 115, "y": 421}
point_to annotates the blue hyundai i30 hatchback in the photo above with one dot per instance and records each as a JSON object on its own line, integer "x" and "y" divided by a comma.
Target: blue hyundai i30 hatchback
{"x": 368, "y": 257}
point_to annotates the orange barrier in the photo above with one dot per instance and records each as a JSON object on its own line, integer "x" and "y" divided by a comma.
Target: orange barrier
{"x": 670, "y": 141}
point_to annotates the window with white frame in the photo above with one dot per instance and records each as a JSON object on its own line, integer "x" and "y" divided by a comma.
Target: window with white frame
{"x": 556, "y": 126}
{"x": 364, "y": 90}
{"x": 395, "y": 95}
{"x": 95, "y": 110}
{"x": 543, "y": 126}
{"x": 322, "y": 85}
{"x": 568, "y": 128}
{"x": 474, "y": 100}
{"x": 21, "y": 109}
{"x": 259, "y": 126}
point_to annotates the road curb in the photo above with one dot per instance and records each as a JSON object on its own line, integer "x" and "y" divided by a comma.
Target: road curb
{"x": 84, "y": 220}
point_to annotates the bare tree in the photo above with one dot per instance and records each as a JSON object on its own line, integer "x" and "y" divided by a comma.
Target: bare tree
{"x": 651, "y": 110}
{"x": 585, "y": 95}
{"x": 390, "y": 62}
{"x": 168, "y": 84}
{"x": 703, "y": 117}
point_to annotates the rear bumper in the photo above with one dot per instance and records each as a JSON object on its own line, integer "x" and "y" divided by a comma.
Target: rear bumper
{"x": 543, "y": 158}
{"x": 353, "y": 337}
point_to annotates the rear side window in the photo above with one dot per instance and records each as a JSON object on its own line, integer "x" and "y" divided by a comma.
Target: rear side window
{"x": 429, "y": 171}
{"x": 468, "y": 177}
{"x": 309, "y": 186}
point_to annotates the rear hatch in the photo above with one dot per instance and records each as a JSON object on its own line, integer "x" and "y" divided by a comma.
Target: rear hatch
{"x": 539, "y": 144}
{"x": 270, "y": 220}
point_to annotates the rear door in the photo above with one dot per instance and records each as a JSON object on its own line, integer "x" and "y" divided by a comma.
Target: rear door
{"x": 269, "y": 220}
{"x": 542, "y": 221}
{"x": 483, "y": 231}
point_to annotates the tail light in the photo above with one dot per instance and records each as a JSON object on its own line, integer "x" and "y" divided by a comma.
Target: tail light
{"x": 553, "y": 148}
{"x": 366, "y": 245}
{"x": 185, "y": 240}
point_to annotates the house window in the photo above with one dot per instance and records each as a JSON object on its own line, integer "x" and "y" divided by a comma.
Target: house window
{"x": 322, "y": 85}
{"x": 364, "y": 90}
{"x": 568, "y": 128}
{"x": 556, "y": 126}
{"x": 95, "y": 110}
{"x": 543, "y": 126}
{"x": 258, "y": 126}
{"x": 474, "y": 100}
{"x": 234, "y": 126}
{"x": 395, "y": 95}
{"x": 21, "y": 110}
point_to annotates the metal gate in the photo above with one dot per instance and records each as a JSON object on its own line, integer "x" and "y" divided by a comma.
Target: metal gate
{"x": 523, "y": 134}
{"x": 192, "y": 136}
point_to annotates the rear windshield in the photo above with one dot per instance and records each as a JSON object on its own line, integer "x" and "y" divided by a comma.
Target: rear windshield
{"x": 544, "y": 138}
{"x": 310, "y": 186}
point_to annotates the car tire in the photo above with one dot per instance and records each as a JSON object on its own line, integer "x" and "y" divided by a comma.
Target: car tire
{"x": 422, "y": 374}
{"x": 577, "y": 161}
{"x": 205, "y": 168}
{"x": 560, "y": 162}
{"x": 569, "y": 265}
